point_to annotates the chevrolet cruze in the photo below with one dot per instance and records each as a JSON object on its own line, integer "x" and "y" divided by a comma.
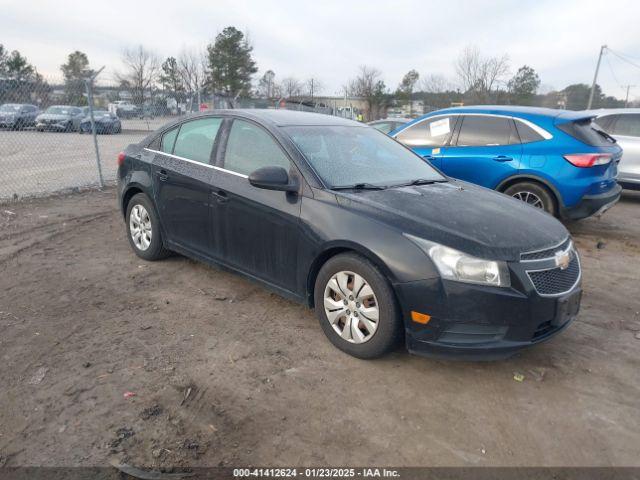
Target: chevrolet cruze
{"x": 348, "y": 221}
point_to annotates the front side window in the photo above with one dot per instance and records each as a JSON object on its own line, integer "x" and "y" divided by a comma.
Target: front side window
{"x": 627, "y": 125}
{"x": 250, "y": 147}
{"x": 481, "y": 131}
{"x": 196, "y": 138}
{"x": 433, "y": 132}
{"x": 344, "y": 156}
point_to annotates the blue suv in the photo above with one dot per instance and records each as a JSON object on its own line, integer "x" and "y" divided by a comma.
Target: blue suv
{"x": 556, "y": 160}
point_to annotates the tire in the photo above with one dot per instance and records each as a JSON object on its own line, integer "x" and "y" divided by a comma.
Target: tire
{"x": 154, "y": 250}
{"x": 535, "y": 195}
{"x": 385, "y": 332}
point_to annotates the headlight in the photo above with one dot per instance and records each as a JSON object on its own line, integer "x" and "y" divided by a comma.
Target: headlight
{"x": 455, "y": 265}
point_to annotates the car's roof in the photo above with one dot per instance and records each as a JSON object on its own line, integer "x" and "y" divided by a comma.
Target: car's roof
{"x": 281, "y": 117}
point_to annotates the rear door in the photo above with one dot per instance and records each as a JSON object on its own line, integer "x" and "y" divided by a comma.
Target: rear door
{"x": 259, "y": 229}
{"x": 484, "y": 150}
{"x": 428, "y": 137}
{"x": 182, "y": 177}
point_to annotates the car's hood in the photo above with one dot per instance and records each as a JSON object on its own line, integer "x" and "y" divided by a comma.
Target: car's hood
{"x": 463, "y": 216}
{"x": 53, "y": 116}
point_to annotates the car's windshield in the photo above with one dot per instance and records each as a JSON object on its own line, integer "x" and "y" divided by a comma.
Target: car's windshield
{"x": 58, "y": 110}
{"x": 100, "y": 114}
{"x": 10, "y": 107}
{"x": 344, "y": 156}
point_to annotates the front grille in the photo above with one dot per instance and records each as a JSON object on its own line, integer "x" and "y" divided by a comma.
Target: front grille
{"x": 555, "y": 280}
{"x": 546, "y": 253}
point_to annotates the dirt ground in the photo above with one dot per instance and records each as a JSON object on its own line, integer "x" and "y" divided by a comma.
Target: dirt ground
{"x": 224, "y": 372}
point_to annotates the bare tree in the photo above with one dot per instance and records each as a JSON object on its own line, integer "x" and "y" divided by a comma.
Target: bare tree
{"x": 369, "y": 85}
{"x": 435, "y": 83}
{"x": 313, "y": 87}
{"x": 291, "y": 87}
{"x": 142, "y": 68}
{"x": 191, "y": 66}
{"x": 266, "y": 84}
{"x": 478, "y": 74}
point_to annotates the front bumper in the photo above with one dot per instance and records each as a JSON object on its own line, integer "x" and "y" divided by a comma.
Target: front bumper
{"x": 592, "y": 205}
{"x": 53, "y": 126}
{"x": 476, "y": 322}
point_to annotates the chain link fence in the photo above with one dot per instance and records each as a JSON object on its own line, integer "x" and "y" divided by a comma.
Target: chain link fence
{"x": 47, "y": 141}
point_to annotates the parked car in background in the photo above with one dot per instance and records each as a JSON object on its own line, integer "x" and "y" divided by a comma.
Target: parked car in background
{"x": 555, "y": 160}
{"x": 338, "y": 216}
{"x": 61, "y": 118}
{"x": 623, "y": 124}
{"x": 18, "y": 115}
{"x": 386, "y": 125}
{"x": 106, "y": 122}
{"x": 124, "y": 109}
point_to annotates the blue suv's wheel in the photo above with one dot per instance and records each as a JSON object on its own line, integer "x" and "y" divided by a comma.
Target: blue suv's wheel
{"x": 534, "y": 194}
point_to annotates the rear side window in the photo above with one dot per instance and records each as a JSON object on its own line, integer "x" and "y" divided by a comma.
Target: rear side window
{"x": 433, "y": 132}
{"x": 479, "y": 131}
{"x": 527, "y": 134}
{"x": 587, "y": 132}
{"x": 196, "y": 138}
{"x": 168, "y": 139}
{"x": 627, "y": 125}
{"x": 250, "y": 147}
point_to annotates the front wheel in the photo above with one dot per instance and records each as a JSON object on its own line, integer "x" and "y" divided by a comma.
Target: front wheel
{"x": 143, "y": 229}
{"x": 356, "y": 307}
{"x": 533, "y": 194}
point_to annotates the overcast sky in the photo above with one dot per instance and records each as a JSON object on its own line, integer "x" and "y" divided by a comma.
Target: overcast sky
{"x": 329, "y": 39}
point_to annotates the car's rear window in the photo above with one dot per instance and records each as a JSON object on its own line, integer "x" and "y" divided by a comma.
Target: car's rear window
{"x": 587, "y": 132}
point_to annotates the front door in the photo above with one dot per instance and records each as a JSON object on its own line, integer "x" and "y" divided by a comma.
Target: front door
{"x": 429, "y": 136}
{"x": 182, "y": 176}
{"x": 259, "y": 229}
{"x": 484, "y": 150}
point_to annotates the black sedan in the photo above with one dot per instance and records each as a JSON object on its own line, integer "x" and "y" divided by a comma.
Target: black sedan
{"x": 341, "y": 217}
{"x": 106, "y": 122}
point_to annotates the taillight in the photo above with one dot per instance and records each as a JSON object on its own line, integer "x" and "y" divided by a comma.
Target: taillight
{"x": 121, "y": 157}
{"x": 586, "y": 160}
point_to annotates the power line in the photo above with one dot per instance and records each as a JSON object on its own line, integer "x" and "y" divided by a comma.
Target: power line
{"x": 623, "y": 58}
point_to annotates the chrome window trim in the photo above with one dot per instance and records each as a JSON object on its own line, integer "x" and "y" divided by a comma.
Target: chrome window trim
{"x": 539, "y": 130}
{"x": 546, "y": 248}
{"x": 220, "y": 169}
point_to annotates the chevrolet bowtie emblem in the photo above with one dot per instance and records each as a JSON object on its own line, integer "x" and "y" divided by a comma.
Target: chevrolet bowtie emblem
{"x": 563, "y": 259}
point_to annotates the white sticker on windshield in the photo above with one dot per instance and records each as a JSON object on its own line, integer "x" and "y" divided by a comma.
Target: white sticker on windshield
{"x": 439, "y": 127}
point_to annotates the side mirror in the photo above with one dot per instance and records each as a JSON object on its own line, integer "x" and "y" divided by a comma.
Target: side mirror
{"x": 273, "y": 178}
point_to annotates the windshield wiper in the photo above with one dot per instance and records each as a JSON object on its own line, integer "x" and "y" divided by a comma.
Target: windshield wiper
{"x": 420, "y": 181}
{"x": 359, "y": 186}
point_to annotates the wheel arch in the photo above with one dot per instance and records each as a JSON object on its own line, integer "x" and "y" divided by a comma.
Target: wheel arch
{"x": 337, "y": 248}
{"x": 508, "y": 182}
{"x": 131, "y": 190}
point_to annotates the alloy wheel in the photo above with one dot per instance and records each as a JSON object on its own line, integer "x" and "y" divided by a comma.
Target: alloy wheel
{"x": 530, "y": 198}
{"x": 351, "y": 307}
{"x": 140, "y": 227}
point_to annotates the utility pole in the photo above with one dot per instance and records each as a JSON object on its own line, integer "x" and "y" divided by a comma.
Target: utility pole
{"x": 626, "y": 99}
{"x": 89, "y": 85}
{"x": 595, "y": 77}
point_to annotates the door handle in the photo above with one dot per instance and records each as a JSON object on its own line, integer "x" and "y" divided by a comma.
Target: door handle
{"x": 220, "y": 196}
{"x": 502, "y": 158}
{"x": 428, "y": 157}
{"x": 163, "y": 176}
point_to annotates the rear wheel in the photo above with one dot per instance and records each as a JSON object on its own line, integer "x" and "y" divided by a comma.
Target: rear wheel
{"x": 533, "y": 194}
{"x": 356, "y": 307}
{"x": 143, "y": 229}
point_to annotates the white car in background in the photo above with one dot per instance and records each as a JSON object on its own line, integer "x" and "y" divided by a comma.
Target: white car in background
{"x": 623, "y": 124}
